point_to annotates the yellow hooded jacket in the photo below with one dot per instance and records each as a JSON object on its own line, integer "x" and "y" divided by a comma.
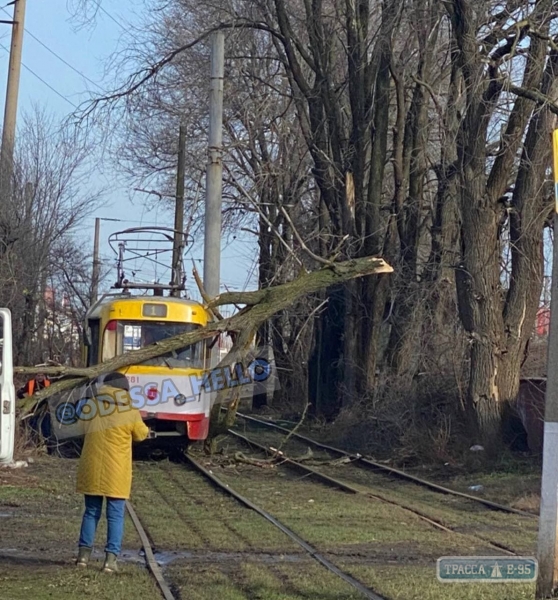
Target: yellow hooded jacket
{"x": 111, "y": 424}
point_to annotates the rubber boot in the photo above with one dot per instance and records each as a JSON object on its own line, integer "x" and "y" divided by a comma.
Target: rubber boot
{"x": 110, "y": 563}
{"x": 84, "y": 553}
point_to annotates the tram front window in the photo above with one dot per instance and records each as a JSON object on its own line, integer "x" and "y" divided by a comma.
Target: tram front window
{"x": 132, "y": 335}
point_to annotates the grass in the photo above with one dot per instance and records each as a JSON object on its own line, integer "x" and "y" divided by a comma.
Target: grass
{"x": 40, "y": 581}
{"x": 39, "y": 540}
{"x": 416, "y": 583}
{"x": 252, "y": 559}
{"x": 465, "y": 516}
{"x": 182, "y": 510}
{"x": 250, "y": 581}
{"x": 234, "y": 553}
{"x": 46, "y": 509}
{"x": 519, "y": 489}
{"x": 514, "y": 481}
{"x": 337, "y": 521}
{"x": 388, "y": 549}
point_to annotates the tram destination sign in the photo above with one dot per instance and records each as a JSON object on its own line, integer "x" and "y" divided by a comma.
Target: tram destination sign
{"x": 486, "y": 569}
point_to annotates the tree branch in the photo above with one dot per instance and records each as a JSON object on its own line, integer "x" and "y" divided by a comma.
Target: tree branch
{"x": 261, "y": 305}
{"x": 536, "y": 96}
{"x": 142, "y": 77}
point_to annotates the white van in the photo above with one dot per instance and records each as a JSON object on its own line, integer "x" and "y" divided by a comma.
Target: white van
{"x": 7, "y": 391}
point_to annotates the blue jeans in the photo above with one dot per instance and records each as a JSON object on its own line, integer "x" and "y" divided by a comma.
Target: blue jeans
{"x": 115, "y": 522}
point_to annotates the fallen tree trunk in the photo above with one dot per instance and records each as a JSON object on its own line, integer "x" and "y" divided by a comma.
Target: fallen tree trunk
{"x": 259, "y": 306}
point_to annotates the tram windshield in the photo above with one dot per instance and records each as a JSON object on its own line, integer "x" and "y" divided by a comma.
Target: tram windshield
{"x": 124, "y": 336}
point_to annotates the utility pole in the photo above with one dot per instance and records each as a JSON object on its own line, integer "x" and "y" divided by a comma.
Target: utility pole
{"x": 213, "y": 200}
{"x": 96, "y": 264}
{"x": 12, "y": 91}
{"x": 96, "y": 272}
{"x": 178, "y": 246}
{"x": 547, "y": 551}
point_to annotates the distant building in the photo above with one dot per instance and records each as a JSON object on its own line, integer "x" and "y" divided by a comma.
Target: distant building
{"x": 542, "y": 326}
{"x": 59, "y": 327}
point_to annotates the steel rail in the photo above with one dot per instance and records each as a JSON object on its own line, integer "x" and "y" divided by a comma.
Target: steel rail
{"x": 336, "y": 483}
{"x": 149, "y": 557}
{"x": 366, "y": 592}
{"x": 362, "y": 460}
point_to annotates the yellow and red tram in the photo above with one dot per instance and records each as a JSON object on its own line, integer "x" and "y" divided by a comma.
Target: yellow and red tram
{"x": 160, "y": 387}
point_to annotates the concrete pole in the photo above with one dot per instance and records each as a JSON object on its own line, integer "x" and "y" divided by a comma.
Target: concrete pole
{"x": 12, "y": 91}
{"x": 547, "y": 554}
{"x": 96, "y": 264}
{"x": 212, "y": 241}
{"x": 178, "y": 245}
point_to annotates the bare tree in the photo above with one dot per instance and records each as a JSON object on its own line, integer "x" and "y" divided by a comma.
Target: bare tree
{"x": 408, "y": 128}
{"x": 502, "y": 190}
{"x": 48, "y": 201}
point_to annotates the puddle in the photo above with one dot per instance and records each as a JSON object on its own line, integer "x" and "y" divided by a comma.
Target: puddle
{"x": 166, "y": 558}
{"x": 132, "y": 556}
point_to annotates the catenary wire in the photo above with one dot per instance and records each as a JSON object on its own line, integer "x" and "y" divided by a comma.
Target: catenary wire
{"x": 43, "y": 81}
{"x": 60, "y": 58}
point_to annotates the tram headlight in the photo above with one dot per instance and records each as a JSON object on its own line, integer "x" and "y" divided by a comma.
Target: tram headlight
{"x": 180, "y": 400}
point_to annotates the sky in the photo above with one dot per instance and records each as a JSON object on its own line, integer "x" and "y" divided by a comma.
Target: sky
{"x": 59, "y": 83}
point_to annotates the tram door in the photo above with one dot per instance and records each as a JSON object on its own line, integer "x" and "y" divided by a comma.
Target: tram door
{"x": 7, "y": 391}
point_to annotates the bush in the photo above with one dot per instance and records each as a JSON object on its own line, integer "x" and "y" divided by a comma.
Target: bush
{"x": 410, "y": 424}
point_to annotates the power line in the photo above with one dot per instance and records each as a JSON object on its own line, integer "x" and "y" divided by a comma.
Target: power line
{"x": 58, "y": 56}
{"x": 42, "y": 80}
{"x": 123, "y": 220}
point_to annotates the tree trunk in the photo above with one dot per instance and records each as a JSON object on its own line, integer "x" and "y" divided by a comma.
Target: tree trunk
{"x": 325, "y": 368}
{"x": 480, "y": 304}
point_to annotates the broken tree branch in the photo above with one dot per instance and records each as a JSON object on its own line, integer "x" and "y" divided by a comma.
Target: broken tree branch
{"x": 261, "y": 305}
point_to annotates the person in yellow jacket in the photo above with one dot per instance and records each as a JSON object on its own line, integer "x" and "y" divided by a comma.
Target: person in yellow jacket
{"x": 110, "y": 425}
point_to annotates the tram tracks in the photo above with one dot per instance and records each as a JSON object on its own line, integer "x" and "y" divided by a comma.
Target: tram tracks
{"x": 313, "y": 552}
{"x": 365, "y": 462}
{"x": 502, "y": 528}
{"x": 346, "y": 487}
{"x": 192, "y": 464}
{"x": 350, "y": 555}
{"x": 150, "y": 561}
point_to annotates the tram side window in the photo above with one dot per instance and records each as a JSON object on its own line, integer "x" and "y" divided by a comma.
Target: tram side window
{"x": 93, "y": 349}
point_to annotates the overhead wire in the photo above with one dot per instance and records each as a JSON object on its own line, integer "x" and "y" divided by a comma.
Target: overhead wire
{"x": 141, "y": 265}
{"x": 81, "y": 74}
{"x": 43, "y": 81}
{"x": 60, "y": 58}
{"x": 252, "y": 272}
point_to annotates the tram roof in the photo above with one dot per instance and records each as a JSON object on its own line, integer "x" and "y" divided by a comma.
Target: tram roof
{"x": 94, "y": 312}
